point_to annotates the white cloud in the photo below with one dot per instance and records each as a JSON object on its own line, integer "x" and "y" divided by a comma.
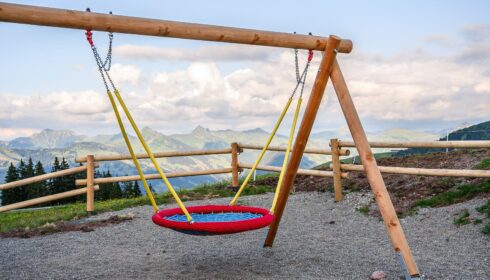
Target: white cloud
{"x": 414, "y": 86}
{"x": 125, "y": 74}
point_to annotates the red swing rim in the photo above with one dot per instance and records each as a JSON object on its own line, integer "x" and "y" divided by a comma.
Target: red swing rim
{"x": 214, "y": 227}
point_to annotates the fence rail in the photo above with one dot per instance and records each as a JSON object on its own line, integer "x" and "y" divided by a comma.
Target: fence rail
{"x": 319, "y": 173}
{"x": 82, "y": 182}
{"x": 44, "y": 177}
{"x": 283, "y": 149}
{"x": 423, "y": 171}
{"x": 99, "y": 158}
{"x": 45, "y": 199}
{"x": 426, "y": 144}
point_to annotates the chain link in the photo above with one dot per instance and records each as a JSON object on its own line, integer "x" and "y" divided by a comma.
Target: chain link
{"x": 108, "y": 60}
{"x": 300, "y": 79}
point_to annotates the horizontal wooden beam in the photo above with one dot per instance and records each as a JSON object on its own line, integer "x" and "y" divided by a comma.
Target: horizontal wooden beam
{"x": 423, "y": 171}
{"x": 283, "y": 149}
{"x": 83, "y": 182}
{"x": 44, "y": 177}
{"x": 157, "y": 155}
{"x": 427, "y": 144}
{"x": 35, "y": 15}
{"x": 319, "y": 173}
{"x": 45, "y": 199}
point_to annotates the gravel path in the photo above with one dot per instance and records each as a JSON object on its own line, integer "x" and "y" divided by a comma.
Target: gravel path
{"x": 308, "y": 245}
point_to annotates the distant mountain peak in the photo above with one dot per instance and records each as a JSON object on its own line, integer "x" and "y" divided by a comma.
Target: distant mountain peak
{"x": 256, "y": 130}
{"x": 49, "y": 131}
{"x": 200, "y": 129}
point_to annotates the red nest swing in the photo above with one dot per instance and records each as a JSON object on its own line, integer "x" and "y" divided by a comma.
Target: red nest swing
{"x": 214, "y": 219}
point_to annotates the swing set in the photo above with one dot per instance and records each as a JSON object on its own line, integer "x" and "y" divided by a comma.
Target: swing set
{"x": 232, "y": 218}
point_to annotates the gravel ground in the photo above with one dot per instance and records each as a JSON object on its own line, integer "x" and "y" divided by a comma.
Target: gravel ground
{"x": 308, "y": 245}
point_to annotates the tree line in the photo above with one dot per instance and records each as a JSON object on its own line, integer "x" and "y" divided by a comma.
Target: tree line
{"x": 60, "y": 184}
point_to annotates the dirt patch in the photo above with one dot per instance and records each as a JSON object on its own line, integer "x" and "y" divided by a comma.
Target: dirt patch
{"x": 404, "y": 190}
{"x": 64, "y": 226}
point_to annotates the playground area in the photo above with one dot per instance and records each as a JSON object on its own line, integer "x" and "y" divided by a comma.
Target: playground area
{"x": 319, "y": 239}
{"x": 322, "y": 235}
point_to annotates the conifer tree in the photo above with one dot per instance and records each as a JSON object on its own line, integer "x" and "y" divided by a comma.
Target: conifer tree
{"x": 81, "y": 175}
{"x": 8, "y": 196}
{"x": 38, "y": 189}
{"x": 55, "y": 184}
{"x": 67, "y": 182}
{"x": 32, "y": 190}
{"x": 136, "y": 189}
{"x": 20, "y": 193}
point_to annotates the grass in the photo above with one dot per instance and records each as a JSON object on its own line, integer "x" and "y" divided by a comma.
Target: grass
{"x": 363, "y": 209}
{"x": 463, "y": 218}
{"x": 485, "y": 209}
{"x": 36, "y": 218}
{"x": 462, "y": 193}
{"x": 484, "y": 164}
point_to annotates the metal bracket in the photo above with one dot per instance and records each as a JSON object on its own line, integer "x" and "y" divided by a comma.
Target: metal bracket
{"x": 405, "y": 269}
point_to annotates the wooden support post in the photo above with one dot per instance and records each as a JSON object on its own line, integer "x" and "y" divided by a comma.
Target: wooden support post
{"x": 234, "y": 165}
{"x": 303, "y": 134}
{"x": 90, "y": 184}
{"x": 373, "y": 174}
{"x": 337, "y": 183}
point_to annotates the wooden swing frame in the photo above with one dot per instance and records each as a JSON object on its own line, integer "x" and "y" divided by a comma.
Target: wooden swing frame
{"x": 329, "y": 68}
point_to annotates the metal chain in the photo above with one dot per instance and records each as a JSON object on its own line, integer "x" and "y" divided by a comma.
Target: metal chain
{"x": 108, "y": 60}
{"x": 301, "y": 79}
{"x": 106, "y": 65}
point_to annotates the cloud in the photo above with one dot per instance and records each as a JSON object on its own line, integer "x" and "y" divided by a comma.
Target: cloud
{"x": 414, "y": 87}
{"x": 208, "y": 53}
{"x": 50, "y": 110}
{"x": 125, "y": 74}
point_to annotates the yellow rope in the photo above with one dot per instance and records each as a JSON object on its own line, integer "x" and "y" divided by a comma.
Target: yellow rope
{"x": 131, "y": 151}
{"x": 286, "y": 156}
{"x": 150, "y": 154}
{"x": 271, "y": 136}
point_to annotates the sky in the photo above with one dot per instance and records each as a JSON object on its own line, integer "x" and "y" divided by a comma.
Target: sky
{"x": 420, "y": 65}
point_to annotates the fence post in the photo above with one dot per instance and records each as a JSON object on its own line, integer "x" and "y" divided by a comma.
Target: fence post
{"x": 337, "y": 183}
{"x": 90, "y": 184}
{"x": 234, "y": 165}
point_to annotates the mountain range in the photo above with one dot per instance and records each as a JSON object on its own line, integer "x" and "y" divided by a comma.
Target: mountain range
{"x": 48, "y": 143}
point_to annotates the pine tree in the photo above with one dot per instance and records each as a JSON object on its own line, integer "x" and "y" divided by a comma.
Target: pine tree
{"x": 136, "y": 189}
{"x": 67, "y": 182}
{"x": 127, "y": 189}
{"x": 29, "y": 172}
{"x": 8, "y": 196}
{"x": 152, "y": 190}
{"x": 109, "y": 190}
{"x": 38, "y": 189}
{"x": 114, "y": 188}
{"x": 55, "y": 184}
{"x": 81, "y": 175}
{"x": 21, "y": 192}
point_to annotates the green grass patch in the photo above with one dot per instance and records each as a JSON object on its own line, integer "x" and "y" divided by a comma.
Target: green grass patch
{"x": 485, "y": 209}
{"x": 462, "y": 193}
{"x": 39, "y": 217}
{"x": 463, "y": 218}
{"x": 363, "y": 209}
{"x": 484, "y": 164}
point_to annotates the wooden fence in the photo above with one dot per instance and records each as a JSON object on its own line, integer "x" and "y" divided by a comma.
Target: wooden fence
{"x": 338, "y": 170}
{"x": 47, "y": 198}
